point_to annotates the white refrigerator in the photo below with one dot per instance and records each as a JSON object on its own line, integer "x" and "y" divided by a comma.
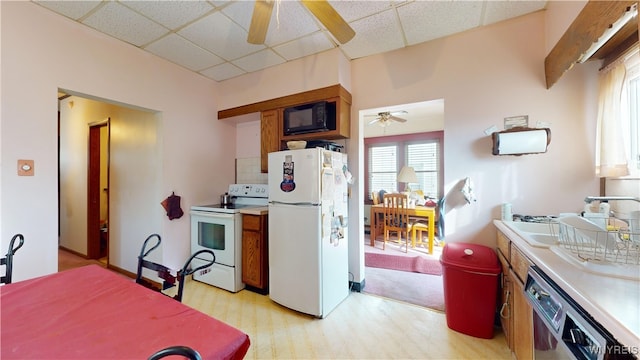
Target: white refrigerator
{"x": 308, "y": 250}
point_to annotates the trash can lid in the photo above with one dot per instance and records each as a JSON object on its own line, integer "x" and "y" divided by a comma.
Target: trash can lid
{"x": 471, "y": 257}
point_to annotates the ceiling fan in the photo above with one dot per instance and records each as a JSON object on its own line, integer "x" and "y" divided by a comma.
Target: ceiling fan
{"x": 321, "y": 9}
{"x": 385, "y": 118}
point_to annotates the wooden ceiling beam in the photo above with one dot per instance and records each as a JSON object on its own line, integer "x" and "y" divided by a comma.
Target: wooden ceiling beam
{"x": 588, "y": 26}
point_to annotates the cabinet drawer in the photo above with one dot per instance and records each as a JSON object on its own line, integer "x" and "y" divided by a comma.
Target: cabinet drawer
{"x": 504, "y": 264}
{"x": 503, "y": 245}
{"x": 519, "y": 263}
{"x": 251, "y": 222}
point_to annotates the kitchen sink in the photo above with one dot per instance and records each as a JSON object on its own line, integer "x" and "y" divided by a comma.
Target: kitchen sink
{"x": 585, "y": 245}
{"x": 533, "y": 227}
{"x": 535, "y": 234}
{"x": 606, "y": 268}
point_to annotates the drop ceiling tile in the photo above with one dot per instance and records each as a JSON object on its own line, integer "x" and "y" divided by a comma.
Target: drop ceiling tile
{"x": 172, "y": 14}
{"x": 182, "y": 52}
{"x": 240, "y": 12}
{"x": 501, "y": 10}
{"x": 71, "y": 9}
{"x": 260, "y": 60}
{"x": 427, "y": 20}
{"x": 289, "y": 20}
{"x": 210, "y": 32}
{"x": 308, "y": 45}
{"x": 375, "y": 34}
{"x": 125, "y": 24}
{"x": 351, "y": 10}
{"x": 218, "y": 34}
{"x": 223, "y": 71}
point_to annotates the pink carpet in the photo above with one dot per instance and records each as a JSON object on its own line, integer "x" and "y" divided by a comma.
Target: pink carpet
{"x": 418, "y": 264}
{"x": 410, "y": 287}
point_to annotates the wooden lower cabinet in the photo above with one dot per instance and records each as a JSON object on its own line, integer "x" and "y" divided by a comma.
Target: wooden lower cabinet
{"x": 506, "y": 300}
{"x": 516, "y": 314}
{"x": 255, "y": 253}
{"x": 522, "y": 333}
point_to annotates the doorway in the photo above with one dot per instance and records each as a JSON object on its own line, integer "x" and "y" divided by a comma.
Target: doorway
{"x": 131, "y": 163}
{"x": 98, "y": 191}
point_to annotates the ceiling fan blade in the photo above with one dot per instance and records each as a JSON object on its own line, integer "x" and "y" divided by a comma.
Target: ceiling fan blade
{"x": 399, "y": 112}
{"x": 395, "y": 118}
{"x": 260, "y": 21}
{"x": 374, "y": 121}
{"x": 330, "y": 18}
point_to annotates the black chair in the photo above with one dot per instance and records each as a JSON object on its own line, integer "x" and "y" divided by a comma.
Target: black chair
{"x": 8, "y": 259}
{"x": 185, "y": 351}
{"x": 164, "y": 272}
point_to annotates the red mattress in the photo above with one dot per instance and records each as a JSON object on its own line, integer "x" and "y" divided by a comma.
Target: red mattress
{"x": 91, "y": 313}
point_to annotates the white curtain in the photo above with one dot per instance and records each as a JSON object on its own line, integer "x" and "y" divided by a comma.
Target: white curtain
{"x": 611, "y": 159}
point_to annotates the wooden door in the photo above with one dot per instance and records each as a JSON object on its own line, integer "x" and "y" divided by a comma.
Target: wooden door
{"x": 97, "y": 191}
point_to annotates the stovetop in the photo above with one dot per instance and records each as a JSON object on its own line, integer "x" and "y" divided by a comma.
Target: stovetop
{"x": 229, "y": 209}
{"x": 535, "y": 218}
{"x": 244, "y": 196}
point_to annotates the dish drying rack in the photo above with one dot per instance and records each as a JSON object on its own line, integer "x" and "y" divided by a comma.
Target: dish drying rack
{"x": 619, "y": 244}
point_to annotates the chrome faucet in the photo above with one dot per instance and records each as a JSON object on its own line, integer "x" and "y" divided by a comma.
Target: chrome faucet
{"x": 589, "y": 199}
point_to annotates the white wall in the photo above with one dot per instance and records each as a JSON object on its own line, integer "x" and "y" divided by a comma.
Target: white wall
{"x": 42, "y": 52}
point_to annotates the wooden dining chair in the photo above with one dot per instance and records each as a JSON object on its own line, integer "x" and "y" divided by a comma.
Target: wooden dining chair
{"x": 396, "y": 218}
{"x": 7, "y": 260}
{"x": 375, "y": 199}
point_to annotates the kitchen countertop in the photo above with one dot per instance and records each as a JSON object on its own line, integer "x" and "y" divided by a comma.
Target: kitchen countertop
{"x": 613, "y": 302}
{"x": 260, "y": 210}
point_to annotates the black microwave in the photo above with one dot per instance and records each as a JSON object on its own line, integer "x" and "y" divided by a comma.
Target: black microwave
{"x": 309, "y": 118}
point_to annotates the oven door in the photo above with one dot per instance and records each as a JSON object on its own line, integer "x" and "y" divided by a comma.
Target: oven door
{"x": 215, "y": 231}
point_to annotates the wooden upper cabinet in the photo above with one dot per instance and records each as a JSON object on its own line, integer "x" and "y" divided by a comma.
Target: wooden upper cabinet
{"x": 272, "y": 136}
{"x": 270, "y": 125}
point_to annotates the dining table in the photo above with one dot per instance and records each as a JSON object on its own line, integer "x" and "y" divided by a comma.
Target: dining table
{"x": 417, "y": 211}
{"x": 94, "y": 313}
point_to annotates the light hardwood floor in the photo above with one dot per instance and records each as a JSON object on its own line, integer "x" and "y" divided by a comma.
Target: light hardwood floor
{"x": 362, "y": 327}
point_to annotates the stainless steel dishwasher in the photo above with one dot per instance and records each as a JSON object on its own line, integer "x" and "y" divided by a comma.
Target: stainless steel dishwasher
{"x": 564, "y": 330}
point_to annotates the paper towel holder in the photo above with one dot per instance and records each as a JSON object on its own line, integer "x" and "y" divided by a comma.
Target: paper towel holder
{"x": 521, "y": 140}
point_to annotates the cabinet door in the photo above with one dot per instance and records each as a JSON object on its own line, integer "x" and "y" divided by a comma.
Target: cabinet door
{"x": 522, "y": 322}
{"x": 251, "y": 259}
{"x": 269, "y": 136}
{"x": 506, "y": 301}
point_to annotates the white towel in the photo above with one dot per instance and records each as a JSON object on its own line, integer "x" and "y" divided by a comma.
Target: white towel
{"x": 467, "y": 191}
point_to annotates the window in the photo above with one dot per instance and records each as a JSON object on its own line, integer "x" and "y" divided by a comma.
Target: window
{"x": 386, "y": 155}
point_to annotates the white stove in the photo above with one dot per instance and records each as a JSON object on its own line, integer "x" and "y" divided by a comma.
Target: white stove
{"x": 219, "y": 228}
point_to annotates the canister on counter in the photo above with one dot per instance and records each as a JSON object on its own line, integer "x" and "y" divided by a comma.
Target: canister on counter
{"x": 507, "y": 215}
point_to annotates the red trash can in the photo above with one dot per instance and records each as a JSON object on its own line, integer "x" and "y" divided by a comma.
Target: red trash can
{"x": 470, "y": 277}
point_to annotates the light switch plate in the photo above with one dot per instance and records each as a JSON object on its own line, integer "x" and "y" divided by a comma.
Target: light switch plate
{"x": 25, "y": 168}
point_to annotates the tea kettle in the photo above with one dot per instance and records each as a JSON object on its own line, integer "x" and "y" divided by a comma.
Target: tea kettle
{"x": 226, "y": 199}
